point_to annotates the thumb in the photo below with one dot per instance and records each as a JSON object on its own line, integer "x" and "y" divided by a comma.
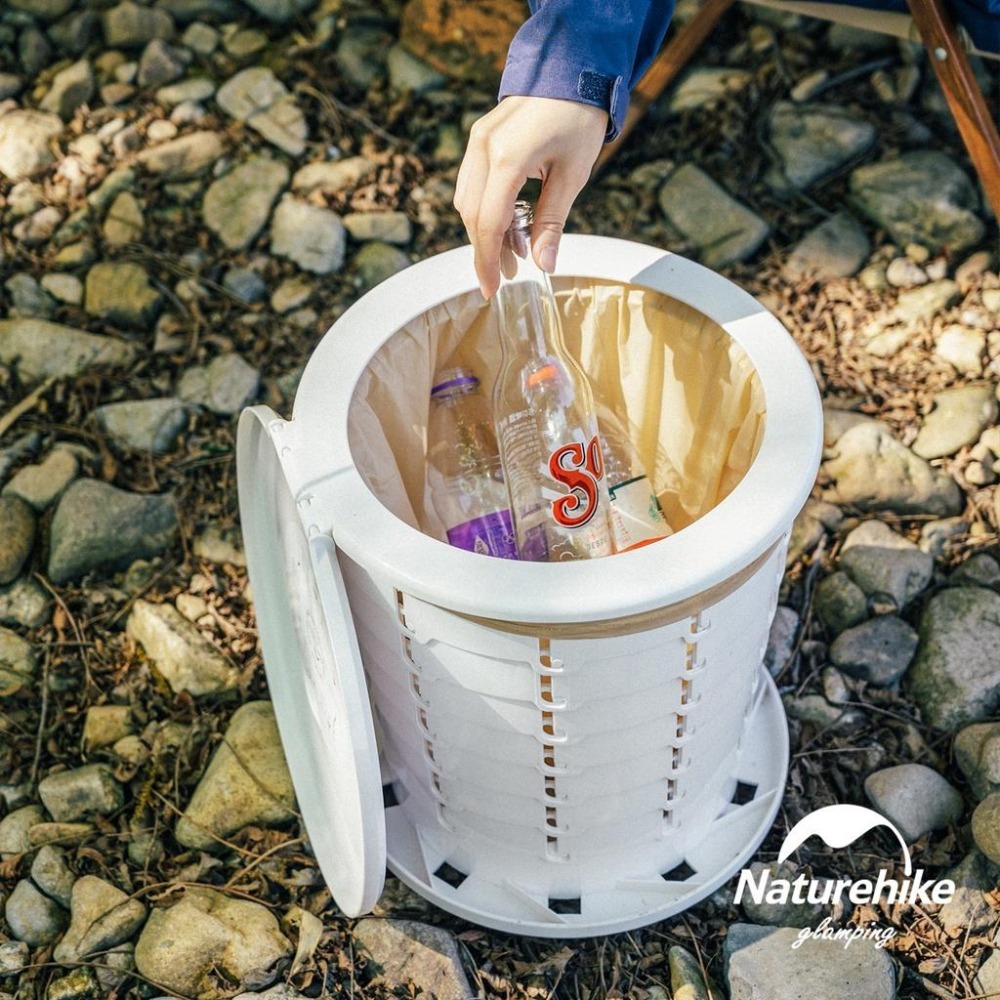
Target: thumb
{"x": 554, "y": 202}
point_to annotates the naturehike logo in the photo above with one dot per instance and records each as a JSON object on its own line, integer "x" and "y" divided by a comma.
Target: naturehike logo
{"x": 838, "y": 826}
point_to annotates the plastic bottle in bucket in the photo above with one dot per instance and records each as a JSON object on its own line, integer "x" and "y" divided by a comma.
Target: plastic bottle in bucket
{"x": 544, "y": 411}
{"x": 636, "y": 515}
{"x": 464, "y": 475}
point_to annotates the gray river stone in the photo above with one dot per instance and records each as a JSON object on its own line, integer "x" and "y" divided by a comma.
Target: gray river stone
{"x": 920, "y": 197}
{"x": 881, "y": 561}
{"x": 185, "y": 157}
{"x": 238, "y": 204}
{"x": 311, "y": 237}
{"x": 953, "y": 678}
{"x": 98, "y": 526}
{"x": 915, "y": 798}
{"x": 32, "y": 916}
{"x": 42, "y": 349}
{"x": 17, "y": 536}
{"x": 836, "y": 248}
{"x": 25, "y": 138}
{"x": 43, "y": 483}
{"x": 18, "y": 662}
{"x": 148, "y": 425}
{"x": 52, "y": 874}
{"x": 959, "y": 416}
{"x": 121, "y": 292}
{"x": 130, "y": 26}
{"x": 878, "y": 650}
{"x": 986, "y": 827}
{"x": 761, "y": 964}
{"x": 101, "y": 917}
{"x": 840, "y": 602}
{"x": 224, "y": 386}
{"x": 70, "y": 88}
{"x": 81, "y": 793}
{"x": 977, "y": 753}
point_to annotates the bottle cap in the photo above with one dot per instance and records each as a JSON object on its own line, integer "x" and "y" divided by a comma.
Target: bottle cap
{"x": 547, "y": 373}
{"x": 453, "y": 378}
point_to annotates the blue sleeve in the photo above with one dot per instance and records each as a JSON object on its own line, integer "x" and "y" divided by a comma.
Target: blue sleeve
{"x": 588, "y": 51}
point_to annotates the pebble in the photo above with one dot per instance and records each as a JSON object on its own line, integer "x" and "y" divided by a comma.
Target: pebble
{"x": 245, "y": 283}
{"x": 187, "y": 156}
{"x": 238, "y": 205}
{"x": 813, "y": 140}
{"x": 408, "y": 74}
{"x": 105, "y": 725}
{"x": 920, "y": 305}
{"x": 979, "y": 570}
{"x": 246, "y": 782}
{"x": 25, "y": 602}
{"x": 43, "y": 349}
{"x": 986, "y": 827}
{"x": 962, "y": 347}
{"x": 25, "y": 141}
{"x": 81, "y": 793}
{"x": 376, "y": 261}
{"x": 15, "y": 956}
{"x": 902, "y": 272}
{"x": 761, "y": 962}
{"x": 687, "y": 981}
{"x": 125, "y": 221}
{"x": 840, "y": 602}
{"x": 968, "y": 911}
{"x": 97, "y": 526}
{"x": 873, "y": 471}
{"x": 17, "y": 536}
{"x": 129, "y": 26}
{"x": 781, "y": 639}
{"x": 959, "y": 417}
{"x": 65, "y": 287}
{"x": 183, "y": 656}
{"x": 42, "y": 484}
{"x": 389, "y": 227}
{"x": 182, "y": 945}
{"x": 291, "y": 294}
{"x": 409, "y": 951}
{"x": 18, "y": 663}
{"x": 259, "y": 98}
{"x": 224, "y": 386}
{"x": 311, "y": 237}
{"x": 915, "y": 798}
{"x": 32, "y": 917}
{"x": 724, "y": 230}
{"x": 146, "y": 425}
{"x": 334, "y": 176}
{"x": 161, "y": 63}
{"x": 977, "y": 753}
{"x": 121, "y": 293}
{"x": 836, "y": 248}
{"x": 70, "y": 88}
{"x": 878, "y": 651}
{"x": 27, "y": 297}
{"x": 881, "y": 561}
{"x": 889, "y": 193}
{"x": 52, "y": 874}
{"x": 101, "y": 917}
{"x": 953, "y": 677}
{"x": 701, "y": 86}
{"x": 219, "y": 546}
{"x": 14, "y": 829}
{"x": 781, "y": 914}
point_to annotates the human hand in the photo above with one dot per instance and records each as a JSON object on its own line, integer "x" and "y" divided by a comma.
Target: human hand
{"x": 553, "y": 140}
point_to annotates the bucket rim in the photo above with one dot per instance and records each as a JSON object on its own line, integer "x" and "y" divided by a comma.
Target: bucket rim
{"x": 752, "y": 518}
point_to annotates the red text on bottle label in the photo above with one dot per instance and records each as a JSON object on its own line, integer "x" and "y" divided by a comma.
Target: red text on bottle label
{"x": 579, "y": 468}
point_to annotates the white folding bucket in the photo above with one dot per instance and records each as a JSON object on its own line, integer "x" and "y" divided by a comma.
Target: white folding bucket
{"x": 555, "y": 750}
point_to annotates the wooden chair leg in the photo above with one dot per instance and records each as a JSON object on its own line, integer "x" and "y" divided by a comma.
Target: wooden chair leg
{"x": 976, "y": 125}
{"x": 671, "y": 59}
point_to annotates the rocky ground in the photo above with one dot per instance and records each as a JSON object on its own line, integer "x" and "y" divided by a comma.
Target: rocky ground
{"x": 191, "y": 191}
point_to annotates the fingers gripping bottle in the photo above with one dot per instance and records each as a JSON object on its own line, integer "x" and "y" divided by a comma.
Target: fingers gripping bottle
{"x": 463, "y": 467}
{"x": 544, "y": 412}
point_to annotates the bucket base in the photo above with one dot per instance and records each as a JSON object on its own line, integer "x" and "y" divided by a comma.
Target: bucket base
{"x": 500, "y": 902}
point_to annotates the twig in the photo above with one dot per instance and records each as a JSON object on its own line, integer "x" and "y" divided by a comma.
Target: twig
{"x": 28, "y": 403}
{"x": 262, "y": 857}
{"x": 42, "y": 719}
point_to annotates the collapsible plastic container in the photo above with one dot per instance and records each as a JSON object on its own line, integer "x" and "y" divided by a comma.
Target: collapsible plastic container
{"x": 549, "y": 749}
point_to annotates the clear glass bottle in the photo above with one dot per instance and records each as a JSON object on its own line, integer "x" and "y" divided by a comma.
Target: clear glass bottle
{"x": 636, "y": 515}
{"x": 544, "y": 412}
{"x": 464, "y": 474}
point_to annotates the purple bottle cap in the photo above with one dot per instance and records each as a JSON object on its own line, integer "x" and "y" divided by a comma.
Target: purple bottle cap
{"x": 453, "y": 380}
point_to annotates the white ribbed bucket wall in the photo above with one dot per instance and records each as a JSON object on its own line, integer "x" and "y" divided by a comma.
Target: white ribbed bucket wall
{"x": 568, "y": 782}
{"x": 565, "y": 750}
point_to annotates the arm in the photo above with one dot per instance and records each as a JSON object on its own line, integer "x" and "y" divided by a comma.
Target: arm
{"x": 564, "y": 92}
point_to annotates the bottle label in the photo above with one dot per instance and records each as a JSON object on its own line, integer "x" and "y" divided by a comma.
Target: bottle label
{"x": 636, "y": 516}
{"x": 579, "y": 468}
{"x": 490, "y": 535}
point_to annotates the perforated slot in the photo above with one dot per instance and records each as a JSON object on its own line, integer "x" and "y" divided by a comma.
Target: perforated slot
{"x": 550, "y": 816}
{"x": 550, "y": 786}
{"x": 685, "y": 691}
{"x": 565, "y": 904}
{"x": 429, "y": 750}
{"x": 681, "y": 726}
{"x": 450, "y": 874}
{"x": 401, "y": 609}
{"x": 671, "y": 789}
{"x": 415, "y": 685}
{"x": 690, "y": 656}
{"x": 676, "y": 758}
{"x": 389, "y": 796}
{"x": 744, "y": 793}
{"x": 679, "y": 873}
{"x": 407, "y": 649}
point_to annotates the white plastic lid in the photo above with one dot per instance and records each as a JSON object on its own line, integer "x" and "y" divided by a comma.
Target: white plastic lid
{"x": 314, "y": 671}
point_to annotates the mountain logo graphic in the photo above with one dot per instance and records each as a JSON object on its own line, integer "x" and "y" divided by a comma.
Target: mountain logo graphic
{"x": 838, "y": 826}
